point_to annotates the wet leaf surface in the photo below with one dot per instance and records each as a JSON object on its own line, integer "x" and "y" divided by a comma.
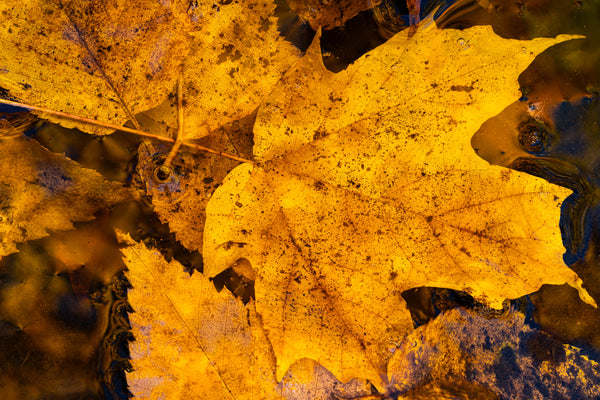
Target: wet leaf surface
{"x": 464, "y": 355}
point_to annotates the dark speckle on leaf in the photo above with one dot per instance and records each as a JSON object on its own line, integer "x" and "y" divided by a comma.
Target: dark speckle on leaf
{"x": 229, "y": 53}
{"x": 264, "y": 24}
{"x": 461, "y": 88}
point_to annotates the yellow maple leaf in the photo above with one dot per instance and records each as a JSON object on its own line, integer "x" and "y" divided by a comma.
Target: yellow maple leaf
{"x": 104, "y": 61}
{"x": 41, "y": 192}
{"x": 367, "y": 186}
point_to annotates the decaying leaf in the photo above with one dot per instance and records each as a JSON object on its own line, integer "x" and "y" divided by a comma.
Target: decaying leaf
{"x": 367, "y": 186}
{"x": 41, "y": 191}
{"x": 465, "y": 355}
{"x": 307, "y": 380}
{"x": 329, "y": 14}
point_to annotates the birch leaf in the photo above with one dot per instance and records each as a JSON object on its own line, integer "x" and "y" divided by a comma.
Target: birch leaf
{"x": 367, "y": 186}
{"x": 106, "y": 60}
{"x": 190, "y": 340}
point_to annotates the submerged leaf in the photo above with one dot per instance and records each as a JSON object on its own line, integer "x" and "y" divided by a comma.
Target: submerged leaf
{"x": 41, "y": 191}
{"x": 368, "y": 186}
{"x": 465, "y": 355}
{"x": 60, "y": 316}
{"x": 329, "y": 14}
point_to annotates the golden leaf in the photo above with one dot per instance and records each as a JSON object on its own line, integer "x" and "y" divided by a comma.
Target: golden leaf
{"x": 194, "y": 342}
{"x": 96, "y": 59}
{"x": 109, "y": 60}
{"x": 233, "y": 65}
{"x": 190, "y": 340}
{"x": 368, "y": 186}
{"x": 41, "y": 191}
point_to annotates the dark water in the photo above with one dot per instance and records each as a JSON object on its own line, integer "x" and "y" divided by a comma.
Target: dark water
{"x": 64, "y": 329}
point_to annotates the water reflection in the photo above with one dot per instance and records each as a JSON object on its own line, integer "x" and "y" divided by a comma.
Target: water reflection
{"x": 57, "y": 311}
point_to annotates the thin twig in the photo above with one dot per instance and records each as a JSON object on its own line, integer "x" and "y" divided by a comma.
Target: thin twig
{"x": 121, "y": 128}
{"x": 172, "y": 154}
{"x": 180, "y": 107}
{"x": 179, "y": 138}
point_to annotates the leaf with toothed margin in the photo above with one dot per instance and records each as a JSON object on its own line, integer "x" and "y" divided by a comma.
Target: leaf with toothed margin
{"x": 41, "y": 191}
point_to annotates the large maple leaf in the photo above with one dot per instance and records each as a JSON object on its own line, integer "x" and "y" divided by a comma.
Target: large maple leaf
{"x": 366, "y": 185}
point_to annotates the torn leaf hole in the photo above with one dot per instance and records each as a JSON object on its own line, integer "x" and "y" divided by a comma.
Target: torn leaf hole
{"x": 238, "y": 279}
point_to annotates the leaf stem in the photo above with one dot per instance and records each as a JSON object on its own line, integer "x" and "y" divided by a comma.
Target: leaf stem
{"x": 120, "y": 128}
